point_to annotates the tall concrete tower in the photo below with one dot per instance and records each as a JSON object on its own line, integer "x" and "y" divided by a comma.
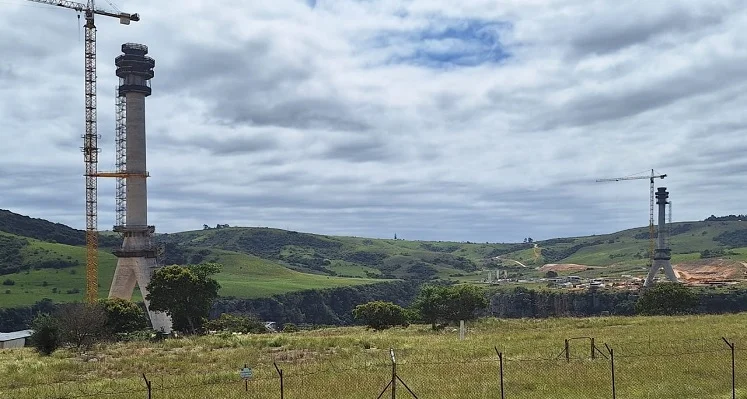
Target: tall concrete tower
{"x": 662, "y": 255}
{"x": 137, "y": 259}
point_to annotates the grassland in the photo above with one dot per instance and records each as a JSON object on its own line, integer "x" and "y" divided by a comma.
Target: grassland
{"x": 243, "y": 276}
{"x": 260, "y": 262}
{"x": 655, "y": 357}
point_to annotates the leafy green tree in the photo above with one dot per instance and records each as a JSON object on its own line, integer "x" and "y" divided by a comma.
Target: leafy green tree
{"x": 241, "y": 324}
{"x": 431, "y": 304}
{"x": 464, "y": 301}
{"x": 381, "y": 315}
{"x": 46, "y": 337}
{"x": 290, "y": 328}
{"x": 185, "y": 293}
{"x": 666, "y": 299}
{"x": 444, "y": 304}
{"x": 123, "y": 316}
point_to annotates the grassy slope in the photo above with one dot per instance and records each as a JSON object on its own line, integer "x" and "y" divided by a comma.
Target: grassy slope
{"x": 246, "y": 276}
{"x": 257, "y": 260}
{"x": 243, "y": 276}
{"x": 353, "y": 363}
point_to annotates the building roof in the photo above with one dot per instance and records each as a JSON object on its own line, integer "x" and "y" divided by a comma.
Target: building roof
{"x": 15, "y": 335}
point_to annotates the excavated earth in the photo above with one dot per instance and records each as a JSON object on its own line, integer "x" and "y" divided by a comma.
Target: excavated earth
{"x": 710, "y": 270}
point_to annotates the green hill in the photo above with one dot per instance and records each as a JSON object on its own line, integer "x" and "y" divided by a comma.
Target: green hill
{"x": 40, "y": 259}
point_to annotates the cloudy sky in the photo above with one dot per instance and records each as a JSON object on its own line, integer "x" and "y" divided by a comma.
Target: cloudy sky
{"x": 479, "y": 120}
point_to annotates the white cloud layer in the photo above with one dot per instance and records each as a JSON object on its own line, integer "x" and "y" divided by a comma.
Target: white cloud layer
{"x": 475, "y": 120}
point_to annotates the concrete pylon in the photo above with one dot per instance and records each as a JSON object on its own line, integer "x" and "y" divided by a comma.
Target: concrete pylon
{"x": 662, "y": 255}
{"x": 137, "y": 259}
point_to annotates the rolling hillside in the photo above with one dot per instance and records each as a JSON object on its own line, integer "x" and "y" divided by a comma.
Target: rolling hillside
{"x": 40, "y": 259}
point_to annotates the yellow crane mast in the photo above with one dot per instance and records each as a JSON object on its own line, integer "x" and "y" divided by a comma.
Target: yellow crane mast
{"x": 90, "y": 138}
{"x": 651, "y": 232}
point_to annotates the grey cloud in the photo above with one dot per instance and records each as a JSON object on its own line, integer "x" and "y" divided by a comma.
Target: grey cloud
{"x": 218, "y": 145}
{"x": 616, "y": 30}
{"x": 361, "y": 150}
{"x": 590, "y": 108}
{"x": 256, "y": 86}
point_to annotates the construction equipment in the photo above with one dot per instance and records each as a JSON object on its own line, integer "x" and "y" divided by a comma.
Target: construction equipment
{"x": 90, "y": 138}
{"x": 651, "y": 204}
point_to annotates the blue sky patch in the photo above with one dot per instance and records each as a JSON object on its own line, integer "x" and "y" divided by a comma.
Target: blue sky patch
{"x": 447, "y": 43}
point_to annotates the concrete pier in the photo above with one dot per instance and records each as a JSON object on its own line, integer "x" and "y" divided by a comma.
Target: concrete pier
{"x": 136, "y": 261}
{"x": 662, "y": 255}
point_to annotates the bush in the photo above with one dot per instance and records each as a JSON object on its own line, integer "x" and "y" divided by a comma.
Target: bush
{"x": 46, "y": 337}
{"x": 666, "y": 299}
{"x": 123, "y": 316}
{"x": 240, "y": 324}
{"x": 381, "y": 315}
{"x": 9, "y": 282}
{"x": 81, "y": 324}
{"x": 290, "y": 328}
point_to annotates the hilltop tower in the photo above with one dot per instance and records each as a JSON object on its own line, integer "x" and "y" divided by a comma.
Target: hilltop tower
{"x": 662, "y": 255}
{"x": 137, "y": 259}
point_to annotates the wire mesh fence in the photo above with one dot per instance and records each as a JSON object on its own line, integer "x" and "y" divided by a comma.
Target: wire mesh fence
{"x": 575, "y": 368}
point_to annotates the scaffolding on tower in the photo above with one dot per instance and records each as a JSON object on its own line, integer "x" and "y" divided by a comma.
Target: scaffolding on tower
{"x": 121, "y": 149}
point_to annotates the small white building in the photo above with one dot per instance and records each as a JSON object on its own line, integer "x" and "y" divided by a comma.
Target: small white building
{"x": 16, "y": 339}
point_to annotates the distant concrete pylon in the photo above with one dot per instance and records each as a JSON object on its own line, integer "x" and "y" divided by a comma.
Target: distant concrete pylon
{"x": 662, "y": 255}
{"x": 136, "y": 261}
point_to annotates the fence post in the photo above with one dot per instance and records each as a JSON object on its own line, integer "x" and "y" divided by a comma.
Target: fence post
{"x": 500, "y": 360}
{"x": 147, "y": 384}
{"x": 733, "y": 370}
{"x": 567, "y": 351}
{"x": 280, "y": 373}
{"x": 612, "y": 363}
{"x": 394, "y": 373}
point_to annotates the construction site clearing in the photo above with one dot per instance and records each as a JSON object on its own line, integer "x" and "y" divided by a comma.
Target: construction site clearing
{"x": 698, "y": 273}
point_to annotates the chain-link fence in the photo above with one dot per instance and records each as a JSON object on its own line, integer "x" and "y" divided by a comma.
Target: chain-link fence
{"x": 578, "y": 367}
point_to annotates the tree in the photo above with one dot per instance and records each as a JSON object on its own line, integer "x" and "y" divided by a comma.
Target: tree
{"x": 666, "y": 299}
{"x": 381, "y": 315}
{"x": 551, "y": 274}
{"x": 81, "y": 324}
{"x": 440, "y": 304}
{"x": 123, "y": 316}
{"x": 464, "y": 301}
{"x": 430, "y": 304}
{"x": 46, "y": 337}
{"x": 185, "y": 293}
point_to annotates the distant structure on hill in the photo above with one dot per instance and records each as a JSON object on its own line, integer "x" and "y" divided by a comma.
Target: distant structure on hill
{"x": 662, "y": 255}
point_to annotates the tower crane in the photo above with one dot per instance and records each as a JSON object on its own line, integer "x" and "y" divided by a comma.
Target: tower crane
{"x": 651, "y": 205}
{"x": 90, "y": 138}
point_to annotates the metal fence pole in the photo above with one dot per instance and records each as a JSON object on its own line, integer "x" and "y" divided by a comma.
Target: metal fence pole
{"x": 612, "y": 363}
{"x": 500, "y": 360}
{"x": 733, "y": 370}
{"x": 394, "y": 373}
{"x": 147, "y": 384}
{"x": 280, "y": 373}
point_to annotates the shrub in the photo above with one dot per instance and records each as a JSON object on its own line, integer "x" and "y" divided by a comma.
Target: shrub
{"x": 9, "y": 282}
{"x": 123, "y": 316}
{"x": 666, "y": 299}
{"x": 230, "y": 323}
{"x": 46, "y": 337}
{"x": 290, "y": 328}
{"x": 381, "y": 315}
